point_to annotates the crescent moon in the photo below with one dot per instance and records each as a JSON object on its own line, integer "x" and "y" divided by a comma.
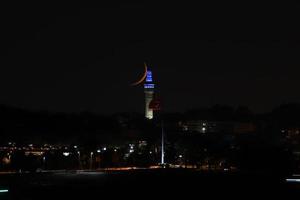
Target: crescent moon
{"x": 142, "y": 78}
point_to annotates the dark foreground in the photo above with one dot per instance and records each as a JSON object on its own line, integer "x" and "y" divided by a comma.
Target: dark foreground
{"x": 145, "y": 184}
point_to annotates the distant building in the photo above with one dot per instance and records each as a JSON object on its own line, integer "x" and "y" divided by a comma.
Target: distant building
{"x": 291, "y": 132}
{"x": 198, "y": 126}
{"x": 205, "y": 126}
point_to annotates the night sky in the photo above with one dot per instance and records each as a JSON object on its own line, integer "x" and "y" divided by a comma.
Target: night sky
{"x": 77, "y": 58}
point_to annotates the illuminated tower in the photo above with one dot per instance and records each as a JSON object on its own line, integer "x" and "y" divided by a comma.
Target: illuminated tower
{"x": 149, "y": 94}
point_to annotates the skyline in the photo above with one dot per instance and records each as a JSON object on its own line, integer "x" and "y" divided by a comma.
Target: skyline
{"x": 183, "y": 99}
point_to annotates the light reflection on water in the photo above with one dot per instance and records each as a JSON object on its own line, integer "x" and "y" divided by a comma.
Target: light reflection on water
{"x": 295, "y": 179}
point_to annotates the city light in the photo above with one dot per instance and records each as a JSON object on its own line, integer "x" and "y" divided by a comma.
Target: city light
{"x": 98, "y": 151}
{"x": 149, "y": 86}
{"x": 149, "y": 76}
{"x": 293, "y": 180}
{"x": 66, "y": 153}
{"x": 104, "y": 148}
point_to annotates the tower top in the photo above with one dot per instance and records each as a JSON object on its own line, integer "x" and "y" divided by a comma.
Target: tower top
{"x": 148, "y": 80}
{"x": 149, "y": 76}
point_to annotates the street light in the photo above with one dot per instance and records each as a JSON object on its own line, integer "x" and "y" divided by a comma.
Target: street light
{"x": 44, "y": 161}
{"x": 79, "y": 159}
{"x": 91, "y": 160}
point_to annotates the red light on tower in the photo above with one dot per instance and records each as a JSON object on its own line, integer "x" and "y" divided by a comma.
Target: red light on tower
{"x": 155, "y": 104}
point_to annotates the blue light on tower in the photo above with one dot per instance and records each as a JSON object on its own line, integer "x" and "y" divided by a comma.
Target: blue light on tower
{"x": 149, "y": 84}
{"x": 149, "y": 76}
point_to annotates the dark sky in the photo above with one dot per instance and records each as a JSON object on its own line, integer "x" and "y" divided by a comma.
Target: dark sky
{"x": 75, "y": 58}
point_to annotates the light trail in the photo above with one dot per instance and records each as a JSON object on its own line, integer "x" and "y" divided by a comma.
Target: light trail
{"x": 293, "y": 180}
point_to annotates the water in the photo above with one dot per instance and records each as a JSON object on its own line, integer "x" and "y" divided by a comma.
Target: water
{"x": 140, "y": 184}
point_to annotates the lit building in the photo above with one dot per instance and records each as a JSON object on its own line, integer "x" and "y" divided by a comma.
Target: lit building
{"x": 201, "y": 126}
{"x": 149, "y": 94}
{"x": 205, "y": 126}
{"x": 150, "y": 104}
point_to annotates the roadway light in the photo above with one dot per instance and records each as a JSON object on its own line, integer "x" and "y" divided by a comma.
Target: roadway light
{"x": 66, "y": 153}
